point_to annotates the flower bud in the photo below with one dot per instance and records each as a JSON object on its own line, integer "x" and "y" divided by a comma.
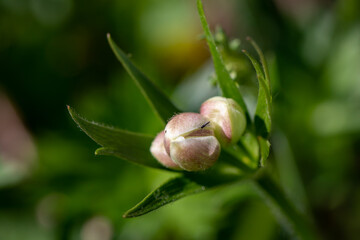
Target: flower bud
{"x": 227, "y": 117}
{"x": 190, "y": 142}
{"x": 157, "y": 149}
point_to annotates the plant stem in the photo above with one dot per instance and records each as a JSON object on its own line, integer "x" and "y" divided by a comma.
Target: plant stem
{"x": 284, "y": 210}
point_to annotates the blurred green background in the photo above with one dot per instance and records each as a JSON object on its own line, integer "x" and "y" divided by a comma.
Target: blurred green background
{"x": 54, "y": 52}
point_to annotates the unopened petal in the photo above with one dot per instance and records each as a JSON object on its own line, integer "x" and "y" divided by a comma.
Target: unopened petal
{"x": 195, "y": 153}
{"x": 227, "y": 117}
{"x": 157, "y": 149}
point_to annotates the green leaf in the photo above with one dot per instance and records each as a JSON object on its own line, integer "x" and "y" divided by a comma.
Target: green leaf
{"x": 159, "y": 102}
{"x": 263, "y": 107}
{"x": 127, "y": 145}
{"x": 263, "y": 61}
{"x": 169, "y": 192}
{"x": 180, "y": 187}
{"x": 262, "y": 119}
{"x": 227, "y": 85}
{"x": 284, "y": 210}
{"x": 264, "y": 150}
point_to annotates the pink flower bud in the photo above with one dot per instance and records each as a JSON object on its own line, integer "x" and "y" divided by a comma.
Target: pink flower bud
{"x": 157, "y": 149}
{"x": 227, "y": 117}
{"x": 190, "y": 142}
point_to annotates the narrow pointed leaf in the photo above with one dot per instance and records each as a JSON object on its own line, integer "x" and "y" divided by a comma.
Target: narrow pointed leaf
{"x": 169, "y": 192}
{"x": 159, "y": 102}
{"x": 227, "y": 85}
{"x": 127, "y": 145}
{"x": 262, "y": 119}
{"x": 263, "y": 108}
{"x": 263, "y": 62}
{"x": 177, "y": 188}
{"x": 257, "y": 67}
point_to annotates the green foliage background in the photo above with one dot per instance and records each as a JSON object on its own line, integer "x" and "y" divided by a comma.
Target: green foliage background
{"x": 54, "y": 53}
